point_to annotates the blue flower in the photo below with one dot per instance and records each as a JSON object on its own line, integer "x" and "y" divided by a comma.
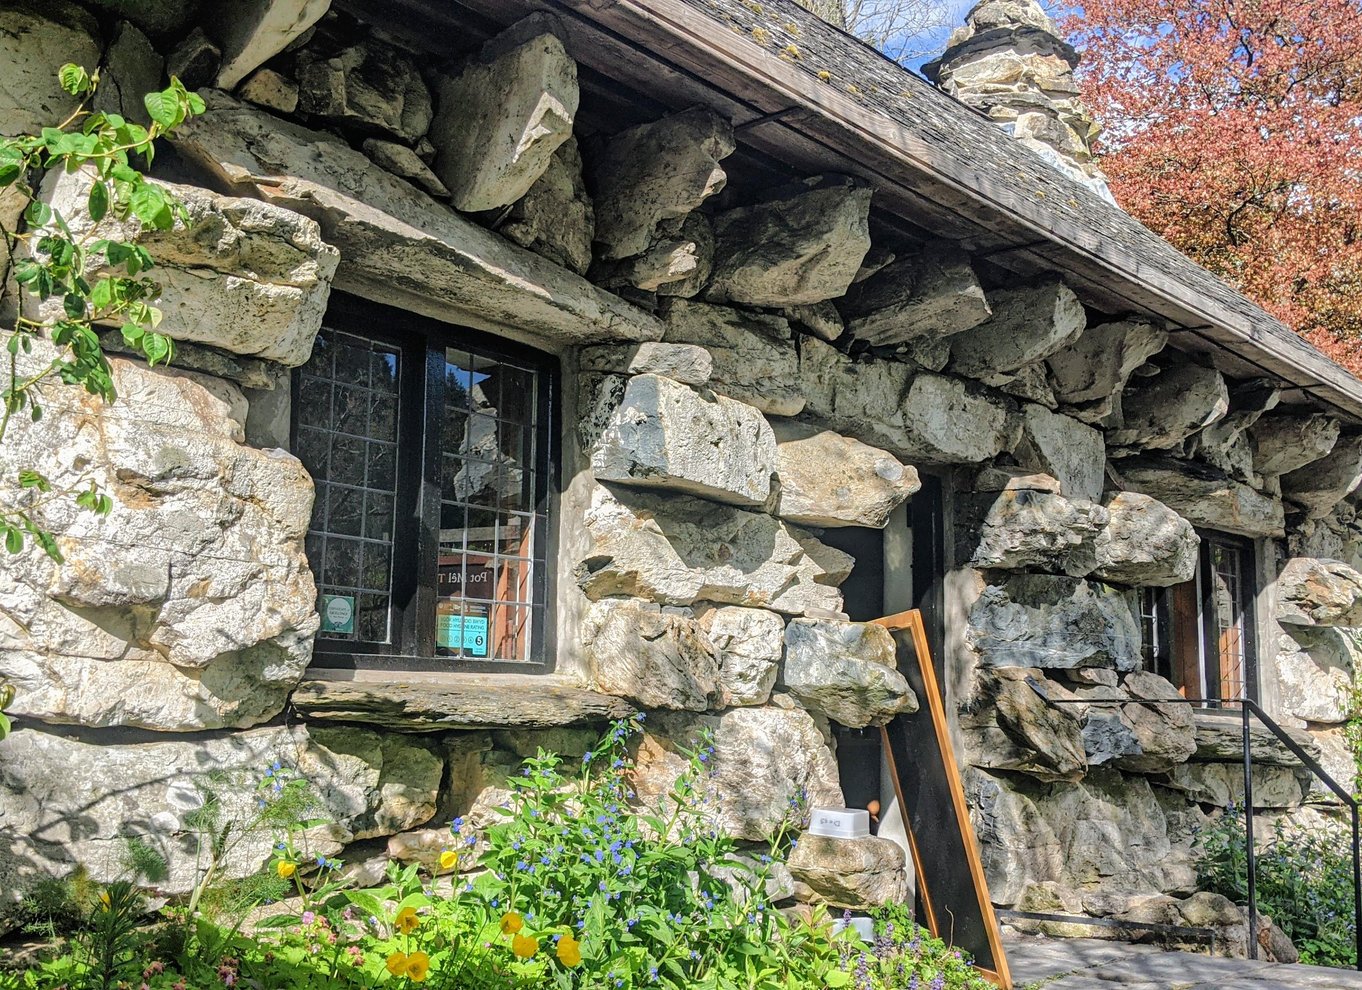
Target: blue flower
{"x": 456, "y": 826}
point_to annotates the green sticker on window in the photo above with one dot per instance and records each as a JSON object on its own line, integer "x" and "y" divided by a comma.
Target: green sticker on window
{"x": 338, "y": 614}
{"x": 463, "y": 632}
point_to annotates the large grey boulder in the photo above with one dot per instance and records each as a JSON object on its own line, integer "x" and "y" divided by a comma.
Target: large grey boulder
{"x": 916, "y": 416}
{"x": 132, "y": 68}
{"x": 1314, "y": 592}
{"x": 1027, "y": 325}
{"x": 245, "y": 276}
{"x": 67, "y": 803}
{"x": 750, "y": 643}
{"x": 1063, "y": 448}
{"x": 37, "y": 37}
{"x": 556, "y": 218}
{"x": 656, "y": 172}
{"x": 1286, "y": 443}
{"x": 1109, "y": 832}
{"x": 1051, "y": 622}
{"x": 847, "y": 671}
{"x": 764, "y": 758}
{"x": 804, "y": 245}
{"x": 933, "y": 293}
{"x": 1315, "y": 670}
{"x": 191, "y": 605}
{"x": 395, "y": 241}
{"x": 676, "y": 550}
{"x": 1033, "y": 530}
{"x": 1222, "y": 784}
{"x": 1221, "y": 740}
{"x": 754, "y": 357}
{"x": 1204, "y": 496}
{"x": 1144, "y": 543}
{"x": 1014, "y": 722}
{"x": 502, "y": 118}
{"x": 654, "y": 657}
{"x": 370, "y": 86}
{"x": 1089, "y": 373}
{"x": 1145, "y": 727}
{"x": 857, "y": 874}
{"x": 251, "y": 32}
{"x": 826, "y": 479}
{"x": 1159, "y": 413}
{"x": 669, "y": 437}
{"x": 1321, "y": 485}
{"x": 686, "y": 363}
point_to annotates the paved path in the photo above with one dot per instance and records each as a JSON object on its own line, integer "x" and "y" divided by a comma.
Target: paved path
{"x": 1039, "y": 963}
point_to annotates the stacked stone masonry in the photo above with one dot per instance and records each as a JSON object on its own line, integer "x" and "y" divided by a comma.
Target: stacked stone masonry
{"x": 750, "y": 371}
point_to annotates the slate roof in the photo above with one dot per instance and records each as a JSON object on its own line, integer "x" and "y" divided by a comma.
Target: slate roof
{"x": 980, "y": 153}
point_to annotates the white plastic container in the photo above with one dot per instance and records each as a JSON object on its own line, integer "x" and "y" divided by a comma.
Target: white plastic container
{"x": 864, "y": 927}
{"x": 839, "y": 823}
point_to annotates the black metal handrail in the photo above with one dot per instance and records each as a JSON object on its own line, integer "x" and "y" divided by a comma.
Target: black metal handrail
{"x": 1249, "y": 707}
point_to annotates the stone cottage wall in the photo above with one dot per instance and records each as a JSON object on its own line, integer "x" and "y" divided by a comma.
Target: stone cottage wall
{"x": 745, "y": 370}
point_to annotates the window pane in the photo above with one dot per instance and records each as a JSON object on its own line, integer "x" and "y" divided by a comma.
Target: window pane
{"x": 348, "y": 403}
{"x": 490, "y": 557}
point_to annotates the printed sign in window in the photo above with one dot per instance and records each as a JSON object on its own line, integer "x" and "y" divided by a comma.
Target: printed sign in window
{"x": 467, "y": 631}
{"x": 338, "y": 614}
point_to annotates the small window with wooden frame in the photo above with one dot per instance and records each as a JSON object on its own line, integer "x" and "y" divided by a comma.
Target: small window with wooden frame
{"x": 1201, "y": 634}
{"x": 432, "y": 450}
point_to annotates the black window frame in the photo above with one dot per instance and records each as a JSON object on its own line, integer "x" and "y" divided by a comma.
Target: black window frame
{"x": 421, "y": 342}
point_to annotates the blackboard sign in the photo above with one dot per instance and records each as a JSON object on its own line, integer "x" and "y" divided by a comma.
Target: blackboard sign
{"x": 917, "y": 750}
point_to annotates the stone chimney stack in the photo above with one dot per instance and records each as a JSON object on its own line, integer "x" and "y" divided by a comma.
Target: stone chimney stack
{"x": 1009, "y": 62}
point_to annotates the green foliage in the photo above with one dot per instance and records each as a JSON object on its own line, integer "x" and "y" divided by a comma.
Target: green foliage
{"x": 1305, "y": 882}
{"x": 6, "y": 699}
{"x": 94, "y": 281}
{"x": 576, "y": 887}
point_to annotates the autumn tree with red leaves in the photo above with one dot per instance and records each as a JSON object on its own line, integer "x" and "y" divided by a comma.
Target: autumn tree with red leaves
{"x": 1233, "y": 128}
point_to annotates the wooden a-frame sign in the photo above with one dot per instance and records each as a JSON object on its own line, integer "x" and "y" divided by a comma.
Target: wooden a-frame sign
{"x": 921, "y": 762}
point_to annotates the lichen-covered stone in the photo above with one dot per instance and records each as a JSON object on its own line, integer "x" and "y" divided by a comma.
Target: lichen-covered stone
{"x": 555, "y": 218}
{"x": 1204, "y": 496}
{"x": 1158, "y": 413}
{"x": 1145, "y": 727}
{"x": 1222, "y": 784}
{"x": 407, "y": 164}
{"x": 1051, "y": 622}
{"x": 656, "y": 172}
{"x": 932, "y": 293}
{"x": 1012, "y": 723}
{"x": 251, "y": 32}
{"x": 750, "y": 643}
{"x": 754, "y": 357}
{"x": 1063, "y": 448}
{"x": 667, "y": 436}
{"x": 676, "y": 550}
{"x": 1319, "y": 486}
{"x": 502, "y": 118}
{"x": 246, "y": 276}
{"x": 1144, "y": 543}
{"x": 191, "y": 605}
{"x": 859, "y": 874}
{"x": 1027, "y": 324}
{"x": 802, "y": 246}
{"x": 1089, "y": 373}
{"x": 1315, "y": 670}
{"x": 370, "y": 85}
{"x": 66, "y": 801}
{"x": 686, "y": 363}
{"x": 1032, "y": 530}
{"x": 847, "y": 671}
{"x": 37, "y": 37}
{"x": 1286, "y": 443}
{"x": 1314, "y": 592}
{"x": 656, "y": 658}
{"x": 825, "y": 479}
{"x": 763, "y": 758}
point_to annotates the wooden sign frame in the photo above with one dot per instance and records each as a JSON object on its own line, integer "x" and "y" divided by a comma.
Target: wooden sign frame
{"x": 931, "y": 767}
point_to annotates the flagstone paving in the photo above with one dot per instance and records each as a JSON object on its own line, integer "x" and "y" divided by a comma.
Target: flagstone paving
{"x": 1039, "y": 963}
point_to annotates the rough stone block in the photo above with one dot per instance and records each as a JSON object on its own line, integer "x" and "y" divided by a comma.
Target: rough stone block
{"x": 669, "y": 437}
{"x": 859, "y": 874}
{"x": 686, "y": 363}
{"x": 656, "y": 172}
{"x": 248, "y": 277}
{"x": 847, "y": 671}
{"x": 656, "y": 658}
{"x": 676, "y": 550}
{"x": 1319, "y": 486}
{"x": 933, "y": 293}
{"x": 1159, "y": 413}
{"x": 1088, "y": 373}
{"x": 38, "y": 37}
{"x": 370, "y": 86}
{"x": 1038, "y": 620}
{"x": 1315, "y": 670}
{"x": 1204, "y": 496}
{"x": 751, "y": 643}
{"x": 251, "y": 32}
{"x": 501, "y": 120}
{"x": 406, "y": 164}
{"x": 1313, "y": 592}
{"x": 826, "y": 479}
{"x": 1222, "y": 784}
{"x": 1031, "y": 530}
{"x": 132, "y": 68}
{"x": 555, "y": 218}
{"x": 1027, "y": 325}
{"x": 802, "y": 246}
{"x": 1011, "y": 724}
{"x": 754, "y": 357}
{"x": 1145, "y": 543}
{"x": 1285, "y": 443}
{"x": 1063, "y": 448}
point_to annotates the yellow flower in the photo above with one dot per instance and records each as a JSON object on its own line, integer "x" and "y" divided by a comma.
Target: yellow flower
{"x": 569, "y": 951}
{"x": 449, "y": 859}
{"x": 524, "y": 946}
{"x": 285, "y": 868}
{"x": 104, "y": 902}
{"x": 407, "y": 921}
{"x": 397, "y": 963}
{"x": 511, "y": 923}
{"x": 418, "y": 966}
